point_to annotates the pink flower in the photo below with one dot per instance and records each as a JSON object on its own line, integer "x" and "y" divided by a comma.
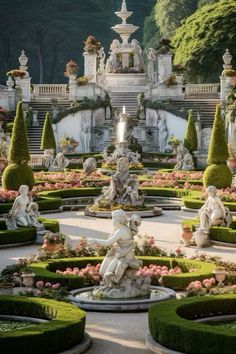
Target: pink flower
{"x": 197, "y": 286}
{"x": 56, "y": 286}
{"x": 40, "y": 284}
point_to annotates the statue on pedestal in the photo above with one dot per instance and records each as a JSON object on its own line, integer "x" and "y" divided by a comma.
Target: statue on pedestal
{"x": 152, "y": 57}
{"x": 137, "y": 52}
{"x": 85, "y": 135}
{"x": 119, "y": 267}
{"x": 184, "y": 159}
{"x": 163, "y": 131}
{"x": 24, "y": 212}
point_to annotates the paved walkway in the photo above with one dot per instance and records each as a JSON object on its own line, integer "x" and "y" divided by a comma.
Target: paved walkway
{"x": 119, "y": 333}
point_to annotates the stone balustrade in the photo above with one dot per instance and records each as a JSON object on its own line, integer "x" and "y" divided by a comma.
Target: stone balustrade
{"x": 202, "y": 90}
{"x": 36, "y": 160}
{"x": 50, "y": 90}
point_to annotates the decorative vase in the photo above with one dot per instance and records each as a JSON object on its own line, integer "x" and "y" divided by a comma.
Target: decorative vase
{"x": 28, "y": 279}
{"x": 6, "y": 289}
{"x": 187, "y": 236}
{"x": 220, "y": 276}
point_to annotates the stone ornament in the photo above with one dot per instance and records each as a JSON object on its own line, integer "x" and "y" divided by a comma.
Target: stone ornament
{"x": 152, "y": 58}
{"x": 90, "y": 165}
{"x": 184, "y": 159}
{"x": 121, "y": 151}
{"x": 119, "y": 267}
{"x": 24, "y": 212}
{"x": 163, "y": 131}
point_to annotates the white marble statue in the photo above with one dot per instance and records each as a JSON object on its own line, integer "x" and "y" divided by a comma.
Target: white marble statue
{"x": 90, "y": 165}
{"x": 48, "y": 157}
{"x": 112, "y": 62}
{"x": 85, "y": 134}
{"x": 184, "y": 159}
{"x": 24, "y": 211}
{"x": 213, "y": 212}
{"x": 101, "y": 60}
{"x": 163, "y": 131}
{"x": 137, "y": 52}
{"x": 152, "y": 57}
{"x": 59, "y": 163}
{"x": 198, "y": 126}
{"x": 119, "y": 267}
{"x": 121, "y": 150}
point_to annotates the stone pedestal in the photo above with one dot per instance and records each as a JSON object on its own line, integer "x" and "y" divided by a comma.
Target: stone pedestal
{"x": 25, "y": 85}
{"x": 201, "y": 157}
{"x": 90, "y": 66}
{"x": 72, "y": 88}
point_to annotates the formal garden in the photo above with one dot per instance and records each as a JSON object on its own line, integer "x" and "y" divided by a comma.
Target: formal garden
{"x": 118, "y": 188}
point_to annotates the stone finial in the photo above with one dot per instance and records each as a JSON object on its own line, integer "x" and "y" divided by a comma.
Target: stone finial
{"x": 124, "y": 6}
{"x": 23, "y": 59}
{"x": 227, "y": 58}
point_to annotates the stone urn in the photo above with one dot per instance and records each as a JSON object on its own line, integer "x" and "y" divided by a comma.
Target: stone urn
{"x": 187, "y": 235}
{"x": 6, "y": 288}
{"x": 28, "y": 279}
{"x": 220, "y": 275}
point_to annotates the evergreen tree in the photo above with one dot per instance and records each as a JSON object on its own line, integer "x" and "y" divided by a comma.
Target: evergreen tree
{"x": 19, "y": 152}
{"x": 218, "y": 149}
{"x": 190, "y": 139}
{"x": 48, "y": 139}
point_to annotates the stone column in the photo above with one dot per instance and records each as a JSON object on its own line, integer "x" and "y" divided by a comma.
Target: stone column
{"x": 90, "y": 66}
{"x": 11, "y": 93}
{"x": 72, "y": 87}
{"x": 164, "y": 66}
{"x": 25, "y": 82}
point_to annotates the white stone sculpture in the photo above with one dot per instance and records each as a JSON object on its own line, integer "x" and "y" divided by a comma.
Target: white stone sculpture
{"x": 119, "y": 267}
{"x": 85, "y": 134}
{"x": 101, "y": 60}
{"x": 123, "y": 188}
{"x": 112, "y": 63}
{"x": 213, "y": 212}
{"x": 163, "y": 132}
{"x": 59, "y": 163}
{"x": 35, "y": 122}
{"x": 48, "y": 157}
{"x": 184, "y": 159}
{"x": 121, "y": 150}
{"x": 137, "y": 52}
{"x": 90, "y": 165}
{"x": 24, "y": 212}
{"x": 152, "y": 57}
{"x": 198, "y": 126}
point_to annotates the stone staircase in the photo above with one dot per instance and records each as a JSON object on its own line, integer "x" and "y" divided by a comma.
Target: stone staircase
{"x": 35, "y": 133}
{"x": 205, "y": 107}
{"x": 127, "y": 99}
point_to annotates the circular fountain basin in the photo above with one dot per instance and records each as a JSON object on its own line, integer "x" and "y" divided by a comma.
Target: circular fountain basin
{"x": 84, "y": 299}
{"x": 156, "y": 211}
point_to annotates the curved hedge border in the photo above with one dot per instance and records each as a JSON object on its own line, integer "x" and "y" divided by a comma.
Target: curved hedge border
{"x": 71, "y": 192}
{"x": 217, "y": 233}
{"x": 194, "y": 203}
{"x": 44, "y": 203}
{"x": 46, "y": 270}
{"x": 165, "y": 192}
{"x": 24, "y": 234}
{"x": 171, "y": 324}
{"x": 64, "y": 330}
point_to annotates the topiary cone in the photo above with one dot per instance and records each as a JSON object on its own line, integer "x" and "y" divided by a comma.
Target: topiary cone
{"x": 48, "y": 139}
{"x": 190, "y": 139}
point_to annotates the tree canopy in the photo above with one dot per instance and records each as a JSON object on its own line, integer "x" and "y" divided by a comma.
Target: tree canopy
{"x": 202, "y": 39}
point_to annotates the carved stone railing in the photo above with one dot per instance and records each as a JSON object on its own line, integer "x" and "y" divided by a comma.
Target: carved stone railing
{"x": 50, "y": 90}
{"x": 202, "y": 90}
{"x": 36, "y": 160}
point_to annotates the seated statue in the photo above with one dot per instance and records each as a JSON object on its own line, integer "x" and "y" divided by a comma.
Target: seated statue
{"x": 119, "y": 267}
{"x": 213, "y": 212}
{"x": 59, "y": 163}
{"x": 24, "y": 212}
{"x": 184, "y": 159}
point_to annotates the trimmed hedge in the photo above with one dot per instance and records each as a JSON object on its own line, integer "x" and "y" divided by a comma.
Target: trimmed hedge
{"x": 165, "y": 192}
{"x": 15, "y": 175}
{"x": 64, "y": 330}
{"x": 46, "y": 270}
{"x": 171, "y": 324}
{"x": 72, "y": 192}
{"x": 24, "y": 234}
{"x": 44, "y": 203}
{"x": 194, "y": 203}
{"x": 217, "y": 233}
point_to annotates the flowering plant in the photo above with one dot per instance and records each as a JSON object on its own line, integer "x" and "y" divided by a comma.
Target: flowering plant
{"x": 16, "y": 73}
{"x": 90, "y": 273}
{"x": 47, "y": 290}
{"x": 91, "y": 45}
{"x": 7, "y": 196}
{"x": 53, "y": 238}
{"x": 71, "y": 68}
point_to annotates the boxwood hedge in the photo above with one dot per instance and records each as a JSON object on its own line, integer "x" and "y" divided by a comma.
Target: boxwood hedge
{"x": 24, "y": 234}
{"x": 171, "y": 324}
{"x": 217, "y": 233}
{"x": 71, "y": 192}
{"x": 193, "y": 202}
{"x": 64, "y": 330}
{"x": 44, "y": 202}
{"x": 46, "y": 270}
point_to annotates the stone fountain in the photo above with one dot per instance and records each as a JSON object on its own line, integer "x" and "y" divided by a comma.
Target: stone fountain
{"x": 121, "y": 288}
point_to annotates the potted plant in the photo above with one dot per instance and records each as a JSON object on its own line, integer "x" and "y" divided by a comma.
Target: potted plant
{"x": 16, "y": 73}
{"x": 220, "y": 274}
{"x": 6, "y": 285}
{"x": 187, "y": 235}
{"x": 27, "y": 277}
{"x": 178, "y": 70}
{"x": 53, "y": 241}
{"x": 64, "y": 143}
{"x": 171, "y": 80}
{"x": 82, "y": 81}
{"x": 91, "y": 45}
{"x": 72, "y": 69}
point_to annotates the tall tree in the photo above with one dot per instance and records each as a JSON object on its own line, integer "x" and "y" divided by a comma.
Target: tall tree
{"x": 202, "y": 39}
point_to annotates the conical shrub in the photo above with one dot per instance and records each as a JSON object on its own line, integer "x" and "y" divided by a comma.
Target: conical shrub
{"x": 48, "y": 139}
{"x": 190, "y": 139}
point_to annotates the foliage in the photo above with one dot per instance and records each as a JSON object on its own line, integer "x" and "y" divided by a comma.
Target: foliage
{"x": 167, "y": 330}
{"x": 151, "y": 35}
{"x": 15, "y": 175}
{"x": 201, "y": 39}
{"x": 165, "y": 106}
{"x": 19, "y": 152}
{"x": 190, "y": 139}
{"x": 64, "y": 329}
{"x": 219, "y": 176}
{"x": 48, "y": 139}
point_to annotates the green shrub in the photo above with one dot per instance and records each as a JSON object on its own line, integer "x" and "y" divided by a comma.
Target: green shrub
{"x": 44, "y": 203}
{"x": 15, "y": 175}
{"x": 46, "y": 270}
{"x": 72, "y": 192}
{"x": 218, "y": 175}
{"x": 190, "y": 138}
{"x": 64, "y": 330}
{"x": 165, "y": 192}
{"x": 171, "y": 323}
{"x": 48, "y": 139}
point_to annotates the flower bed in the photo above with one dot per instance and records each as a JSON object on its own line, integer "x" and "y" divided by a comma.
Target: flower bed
{"x": 186, "y": 180}
{"x": 64, "y": 330}
{"x": 46, "y": 271}
{"x": 172, "y": 324}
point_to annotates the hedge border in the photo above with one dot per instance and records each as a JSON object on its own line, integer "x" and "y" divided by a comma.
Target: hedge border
{"x": 64, "y": 330}
{"x": 194, "y": 203}
{"x": 44, "y": 203}
{"x": 217, "y": 233}
{"x": 24, "y": 234}
{"x": 46, "y": 270}
{"x": 171, "y": 324}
